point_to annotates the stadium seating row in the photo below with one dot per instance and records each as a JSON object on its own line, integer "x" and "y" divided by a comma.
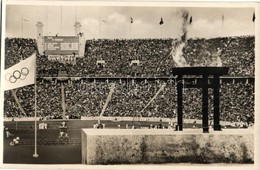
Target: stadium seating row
{"x": 87, "y": 98}
{"x": 84, "y": 98}
{"x": 154, "y": 56}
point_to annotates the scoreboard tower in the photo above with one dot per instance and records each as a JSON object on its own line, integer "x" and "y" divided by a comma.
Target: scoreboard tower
{"x": 61, "y": 45}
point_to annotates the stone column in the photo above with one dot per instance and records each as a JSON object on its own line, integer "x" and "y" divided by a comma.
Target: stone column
{"x": 40, "y": 40}
{"x": 82, "y": 40}
{"x": 205, "y": 118}
{"x": 217, "y": 125}
{"x": 179, "y": 103}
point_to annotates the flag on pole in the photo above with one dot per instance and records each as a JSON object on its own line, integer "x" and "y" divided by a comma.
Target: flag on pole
{"x": 26, "y": 20}
{"x": 21, "y": 74}
{"x": 131, "y": 20}
{"x": 253, "y": 19}
{"x": 161, "y": 22}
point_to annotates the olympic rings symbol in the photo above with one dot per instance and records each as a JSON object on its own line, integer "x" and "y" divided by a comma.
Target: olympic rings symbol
{"x": 12, "y": 78}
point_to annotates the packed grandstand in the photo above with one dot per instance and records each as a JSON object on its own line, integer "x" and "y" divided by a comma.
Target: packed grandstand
{"x": 88, "y": 83}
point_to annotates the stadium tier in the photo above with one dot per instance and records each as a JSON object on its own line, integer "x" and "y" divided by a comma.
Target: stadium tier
{"x": 154, "y": 56}
{"x": 114, "y": 58}
{"x": 17, "y": 49}
{"x": 84, "y": 98}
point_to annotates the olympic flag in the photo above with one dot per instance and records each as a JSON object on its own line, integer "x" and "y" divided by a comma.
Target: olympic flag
{"x": 21, "y": 74}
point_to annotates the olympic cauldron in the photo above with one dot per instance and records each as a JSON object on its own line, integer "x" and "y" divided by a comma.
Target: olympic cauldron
{"x": 204, "y": 73}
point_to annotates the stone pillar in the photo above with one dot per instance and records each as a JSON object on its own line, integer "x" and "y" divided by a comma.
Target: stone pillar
{"x": 217, "y": 125}
{"x": 179, "y": 103}
{"x": 82, "y": 40}
{"x": 77, "y": 28}
{"x": 40, "y": 38}
{"x": 205, "y": 118}
{"x": 82, "y": 43}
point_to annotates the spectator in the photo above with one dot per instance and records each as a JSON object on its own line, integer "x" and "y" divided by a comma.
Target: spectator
{"x": 87, "y": 98}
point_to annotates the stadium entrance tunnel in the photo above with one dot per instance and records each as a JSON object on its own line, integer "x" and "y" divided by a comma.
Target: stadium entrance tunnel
{"x": 208, "y": 78}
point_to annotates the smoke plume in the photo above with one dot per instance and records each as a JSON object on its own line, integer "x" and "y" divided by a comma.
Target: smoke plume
{"x": 211, "y": 58}
{"x": 208, "y": 56}
{"x": 216, "y": 60}
{"x": 177, "y": 50}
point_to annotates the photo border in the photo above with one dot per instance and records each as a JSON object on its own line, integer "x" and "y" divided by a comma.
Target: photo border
{"x": 206, "y": 4}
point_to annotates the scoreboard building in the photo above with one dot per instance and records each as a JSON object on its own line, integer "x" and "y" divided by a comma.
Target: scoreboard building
{"x": 61, "y": 45}
{"x": 65, "y": 45}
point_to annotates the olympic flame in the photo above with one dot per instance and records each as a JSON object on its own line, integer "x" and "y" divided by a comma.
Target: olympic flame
{"x": 177, "y": 47}
{"x": 209, "y": 58}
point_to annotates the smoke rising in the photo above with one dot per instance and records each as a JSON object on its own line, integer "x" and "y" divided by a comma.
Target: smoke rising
{"x": 208, "y": 57}
{"x": 177, "y": 50}
{"x": 185, "y": 24}
{"x": 216, "y": 60}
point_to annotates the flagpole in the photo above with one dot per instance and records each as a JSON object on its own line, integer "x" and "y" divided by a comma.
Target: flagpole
{"x": 222, "y": 28}
{"x": 35, "y": 155}
{"x": 160, "y": 24}
{"x": 46, "y": 21}
{"x": 76, "y": 14}
{"x": 99, "y": 28}
{"x": 22, "y": 26}
{"x": 222, "y": 25}
{"x": 130, "y": 26}
{"x": 130, "y": 29}
{"x": 161, "y": 30}
{"x": 61, "y": 20}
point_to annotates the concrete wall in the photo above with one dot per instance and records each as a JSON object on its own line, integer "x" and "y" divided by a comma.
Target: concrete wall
{"x": 135, "y": 146}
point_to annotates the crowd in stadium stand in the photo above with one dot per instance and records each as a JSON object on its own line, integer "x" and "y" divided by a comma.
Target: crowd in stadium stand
{"x": 118, "y": 56}
{"x": 155, "y": 57}
{"x": 17, "y": 49}
{"x": 24, "y": 96}
{"x": 238, "y": 102}
{"x": 49, "y": 99}
{"x": 10, "y": 108}
{"x": 84, "y": 98}
{"x": 237, "y": 53}
{"x": 129, "y": 99}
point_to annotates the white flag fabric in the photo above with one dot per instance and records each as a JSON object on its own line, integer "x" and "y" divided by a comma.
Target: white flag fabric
{"x": 21, "y": 74}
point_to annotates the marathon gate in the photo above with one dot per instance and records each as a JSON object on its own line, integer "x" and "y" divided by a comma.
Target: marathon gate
{"x": 207, "y": 73}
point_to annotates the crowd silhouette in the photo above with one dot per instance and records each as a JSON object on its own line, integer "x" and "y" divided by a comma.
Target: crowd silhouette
{"x": 119, "y": 59}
